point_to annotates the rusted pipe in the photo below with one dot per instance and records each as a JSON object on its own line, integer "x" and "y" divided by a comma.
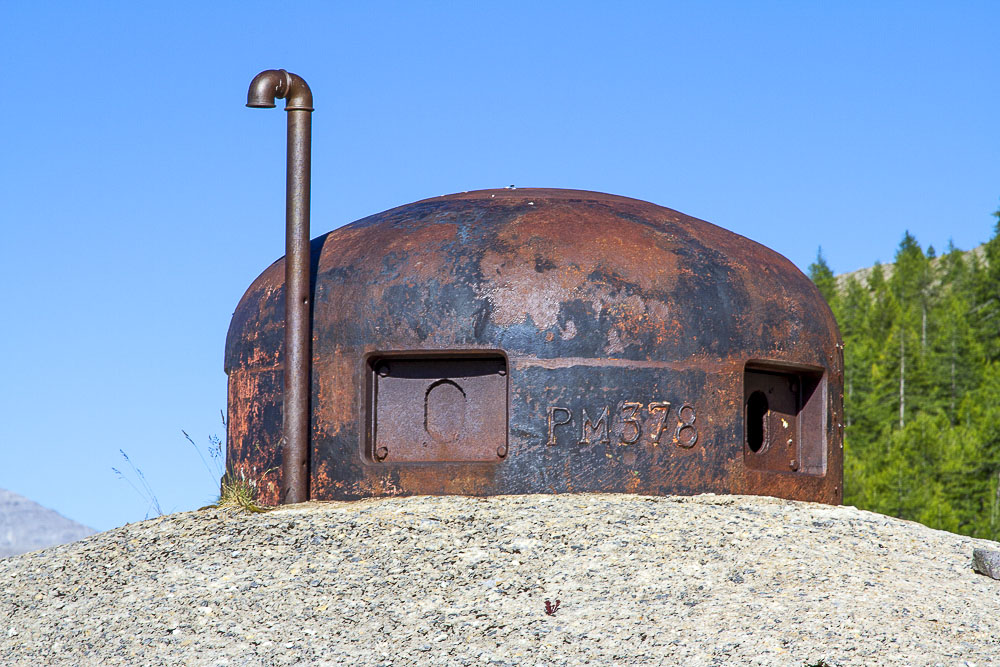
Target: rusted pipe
{"x": 264, "y": 88}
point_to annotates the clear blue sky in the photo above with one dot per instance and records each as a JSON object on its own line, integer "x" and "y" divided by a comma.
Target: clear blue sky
{"x": 140, "y": 198}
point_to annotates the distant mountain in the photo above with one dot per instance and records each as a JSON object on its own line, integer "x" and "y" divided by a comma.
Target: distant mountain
{"x": 862, "y": 275}
{"x": 26, "y": 526}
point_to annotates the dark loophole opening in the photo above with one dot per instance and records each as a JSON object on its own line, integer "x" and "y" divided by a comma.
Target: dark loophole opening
{"x": 756, "y": 416}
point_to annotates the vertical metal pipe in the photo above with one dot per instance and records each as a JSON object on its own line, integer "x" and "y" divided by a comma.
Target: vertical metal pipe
{"x": 265, "y": 87}
{"x": 298, "y": 353}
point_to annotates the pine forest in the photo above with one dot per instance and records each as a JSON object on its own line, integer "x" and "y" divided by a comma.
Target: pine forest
{"x": 922, "y": 384}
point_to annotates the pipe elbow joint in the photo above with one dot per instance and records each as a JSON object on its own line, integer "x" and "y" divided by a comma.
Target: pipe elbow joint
{"x": 278, "y": 84}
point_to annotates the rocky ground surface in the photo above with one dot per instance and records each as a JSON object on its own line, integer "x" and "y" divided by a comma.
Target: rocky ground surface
{"x": 708, "y": 580}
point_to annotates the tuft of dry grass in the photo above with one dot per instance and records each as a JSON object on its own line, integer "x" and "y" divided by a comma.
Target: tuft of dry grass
{"x": 239, "y": 493}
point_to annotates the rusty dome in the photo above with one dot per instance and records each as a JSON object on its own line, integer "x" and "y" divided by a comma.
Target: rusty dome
{"x": 545, "y": 341}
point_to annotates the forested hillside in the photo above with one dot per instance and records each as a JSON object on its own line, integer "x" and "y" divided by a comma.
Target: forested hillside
{"x": 922, "y": 385}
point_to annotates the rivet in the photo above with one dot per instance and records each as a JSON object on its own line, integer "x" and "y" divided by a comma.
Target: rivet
{"x": 381, "y": 453}
{"x": 502, "y": 371}
{"x": 383, "y": 370}
{"x": 793, "y": 464}
{"x": 502, "y": 451}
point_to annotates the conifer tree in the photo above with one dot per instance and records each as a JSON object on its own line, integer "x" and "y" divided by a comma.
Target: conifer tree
{"x": 822, "y": 276}
{"x": 922, "y": 385}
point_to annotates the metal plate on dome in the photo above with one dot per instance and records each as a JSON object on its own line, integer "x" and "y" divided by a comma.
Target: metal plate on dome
{"x": 784, "y": 420}
{"x": 437, "y": 409}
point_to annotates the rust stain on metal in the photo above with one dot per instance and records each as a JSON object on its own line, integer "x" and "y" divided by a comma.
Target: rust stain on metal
{"x": 630, "y": 334}
{"x": 333, "y": 397}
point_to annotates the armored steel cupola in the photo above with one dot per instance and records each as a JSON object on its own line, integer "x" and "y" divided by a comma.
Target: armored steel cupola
{"x": 544, "y": 341}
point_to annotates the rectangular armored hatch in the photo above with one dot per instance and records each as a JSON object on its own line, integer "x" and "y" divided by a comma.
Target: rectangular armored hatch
{"x": 427, "y": 409}
{"x": 784, "y": 427}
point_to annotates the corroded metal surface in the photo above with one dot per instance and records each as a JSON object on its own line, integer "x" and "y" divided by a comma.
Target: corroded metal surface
{"x": 630, "y": 339}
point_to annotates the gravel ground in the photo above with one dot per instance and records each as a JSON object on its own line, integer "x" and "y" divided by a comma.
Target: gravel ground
{"x": 706, "y": 580}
